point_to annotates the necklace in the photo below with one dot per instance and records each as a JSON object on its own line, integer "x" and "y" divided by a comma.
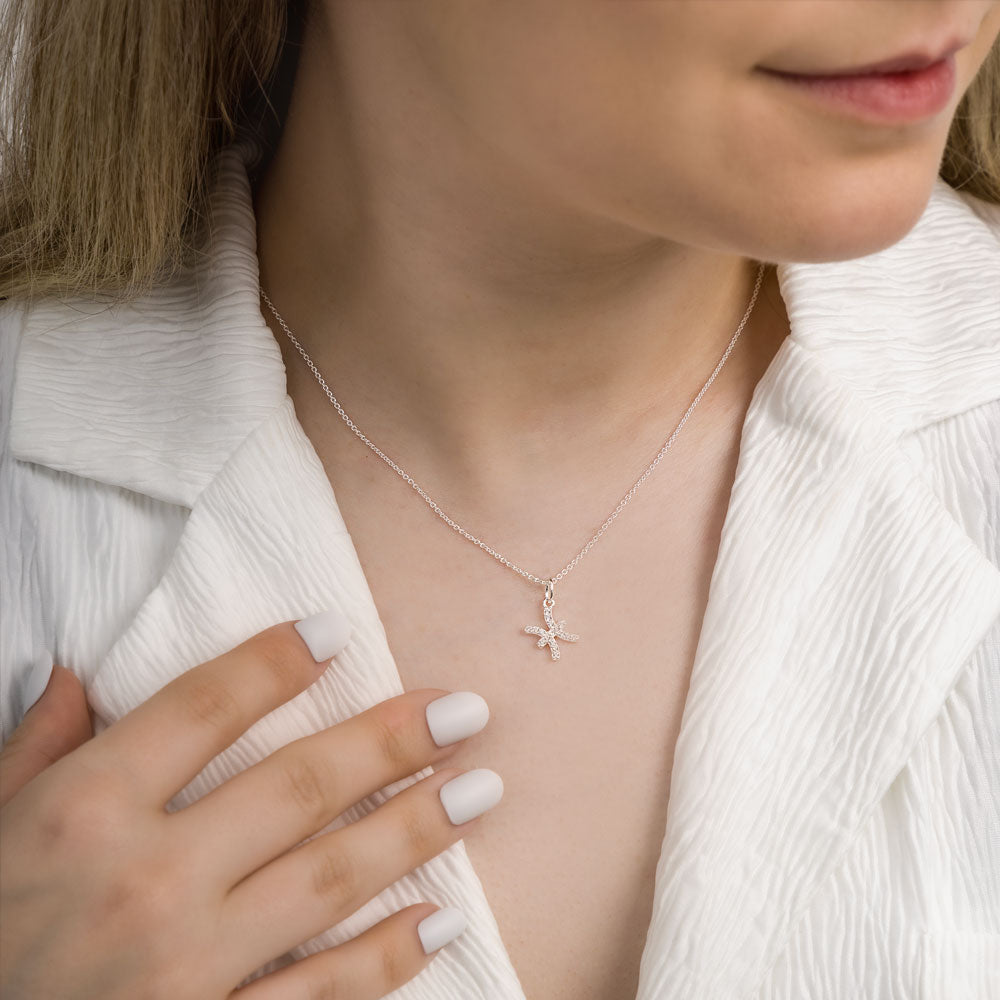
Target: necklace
{"x": 554, "y": 631}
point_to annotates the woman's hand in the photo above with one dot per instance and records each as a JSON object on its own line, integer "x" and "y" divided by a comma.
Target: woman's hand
{"x": 105, "y": 894}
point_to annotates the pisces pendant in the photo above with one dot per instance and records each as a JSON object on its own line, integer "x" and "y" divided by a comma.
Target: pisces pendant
{"x": 554, "y": 629}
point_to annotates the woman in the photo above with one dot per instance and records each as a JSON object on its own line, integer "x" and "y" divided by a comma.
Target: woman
{"x": 521, "y": 244}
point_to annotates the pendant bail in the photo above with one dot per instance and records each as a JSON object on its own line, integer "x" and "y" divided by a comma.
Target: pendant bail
{"x": 550, "y": 590}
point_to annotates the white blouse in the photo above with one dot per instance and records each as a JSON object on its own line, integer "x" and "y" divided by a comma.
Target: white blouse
{"x": 833, "y": 828}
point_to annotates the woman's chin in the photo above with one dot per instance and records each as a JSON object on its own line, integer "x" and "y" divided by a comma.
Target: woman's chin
{"x": 845, "y": 228}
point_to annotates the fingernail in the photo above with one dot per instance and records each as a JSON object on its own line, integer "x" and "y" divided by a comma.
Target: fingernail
{"x": 326, "y": 634}
{"x": 440, "y": 927}
{"x": 471, "y": 794}
{"x": 35, "y": 681}
{"x": 455, "y": 716}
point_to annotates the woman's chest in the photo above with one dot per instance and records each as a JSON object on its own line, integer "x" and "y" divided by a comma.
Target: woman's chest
{"x": 584, "y": 743}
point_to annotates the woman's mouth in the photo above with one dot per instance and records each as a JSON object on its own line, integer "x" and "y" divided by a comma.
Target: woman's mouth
{"x": 895, "y": 97}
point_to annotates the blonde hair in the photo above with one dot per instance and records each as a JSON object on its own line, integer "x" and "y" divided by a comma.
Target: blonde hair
{"x": 115, "y": 109}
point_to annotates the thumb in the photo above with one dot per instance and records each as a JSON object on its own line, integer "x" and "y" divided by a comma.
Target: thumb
{"x": 56, "y": 723}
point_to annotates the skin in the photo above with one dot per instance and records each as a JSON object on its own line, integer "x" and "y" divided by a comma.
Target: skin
{"x": 508, "y": 225}
{"x": 500, "y": 223}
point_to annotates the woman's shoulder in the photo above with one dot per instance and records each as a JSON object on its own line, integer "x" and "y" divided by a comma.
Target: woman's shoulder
{"x": 154, "y": 391}
{"x": 153, "y": 394}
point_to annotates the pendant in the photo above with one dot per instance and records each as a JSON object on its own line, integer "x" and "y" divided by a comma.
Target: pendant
{"x": 555, "y": 629}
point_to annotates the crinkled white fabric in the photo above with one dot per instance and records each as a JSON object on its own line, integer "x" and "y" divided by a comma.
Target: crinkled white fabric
{"x": 833, "y": 828}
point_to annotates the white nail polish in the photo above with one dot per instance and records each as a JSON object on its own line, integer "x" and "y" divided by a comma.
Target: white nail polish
{"x": 35, "y": 681}
{"x": 326, "y": 633}
{"x": 440, "y": 927}
{"x": 455, "y": 716}
{"x": 471, "y": 794}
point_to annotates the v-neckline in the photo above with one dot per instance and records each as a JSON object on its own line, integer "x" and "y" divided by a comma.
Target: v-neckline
{"x": 315, "y": 398}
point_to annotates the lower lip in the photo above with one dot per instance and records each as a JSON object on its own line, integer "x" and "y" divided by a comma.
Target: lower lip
{"x": 882, "y": 97}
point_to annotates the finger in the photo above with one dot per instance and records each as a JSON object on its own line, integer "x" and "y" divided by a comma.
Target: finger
{"x": 166, "y": 741}
{"x": 325, "y": 880}
{"x": 310, "y": 782}
{"x": 57, "y": 723}
{"x": 369, "y": 966}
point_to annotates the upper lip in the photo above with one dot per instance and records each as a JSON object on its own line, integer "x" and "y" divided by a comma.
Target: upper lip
{"x": 915, "y": 60}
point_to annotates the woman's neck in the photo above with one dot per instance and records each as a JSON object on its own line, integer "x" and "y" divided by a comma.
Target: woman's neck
{"x": 469, "y": 315}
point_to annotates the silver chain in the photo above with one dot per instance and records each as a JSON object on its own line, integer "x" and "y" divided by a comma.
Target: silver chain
{"x": 457, "y": 527}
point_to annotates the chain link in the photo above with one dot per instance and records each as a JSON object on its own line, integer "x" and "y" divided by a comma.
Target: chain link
{"x": 457, "y": 527}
